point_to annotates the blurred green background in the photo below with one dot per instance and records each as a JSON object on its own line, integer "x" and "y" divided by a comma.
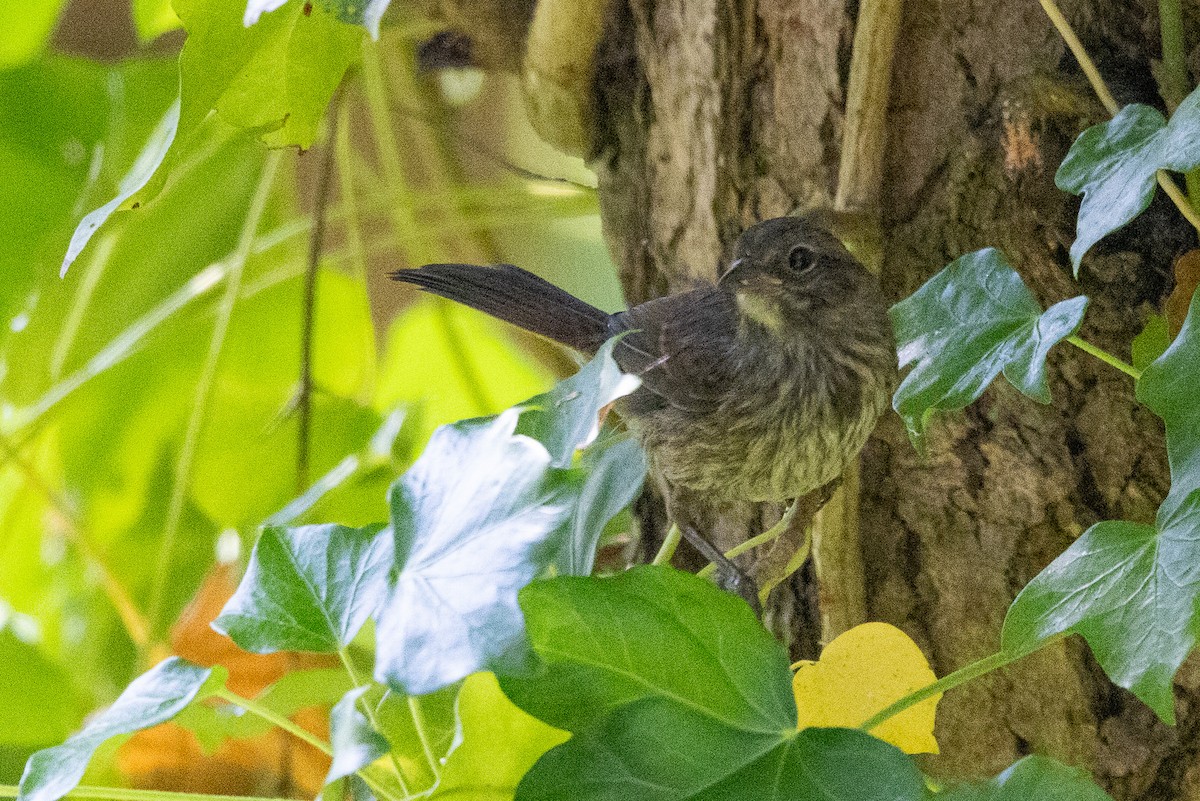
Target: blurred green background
{"x": 148, "y": 398}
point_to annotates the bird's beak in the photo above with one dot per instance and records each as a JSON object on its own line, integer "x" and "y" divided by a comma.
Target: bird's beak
{"x": 732, "y": 269}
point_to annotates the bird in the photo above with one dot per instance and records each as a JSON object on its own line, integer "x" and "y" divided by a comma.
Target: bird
{"x": 762, "y": 385}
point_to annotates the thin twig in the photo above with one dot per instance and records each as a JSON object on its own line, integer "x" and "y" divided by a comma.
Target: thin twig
{"x": 316, "y": 243}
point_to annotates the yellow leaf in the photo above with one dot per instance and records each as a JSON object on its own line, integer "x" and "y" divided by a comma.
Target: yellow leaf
{"x": 862, "y": 672}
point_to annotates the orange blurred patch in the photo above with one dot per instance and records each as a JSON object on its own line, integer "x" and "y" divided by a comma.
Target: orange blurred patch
{"x": 168, "y": 757}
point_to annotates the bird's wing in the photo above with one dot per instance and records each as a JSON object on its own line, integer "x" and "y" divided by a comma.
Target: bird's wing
{"x": 681, "y": 346}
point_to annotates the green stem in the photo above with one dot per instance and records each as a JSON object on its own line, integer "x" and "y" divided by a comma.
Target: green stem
{"x": 274, "y": 718}
{"x": 130, "y": 794}
{"x": 773, "y": 533}
{"x": 670, "y": 543}
{"x": 208, "y": 374}
{"x": 352, "y": 671}
{"x": 1105, "y": 356}
{"x": 949, "y": 682}
{"x": 1175, "y": 81}
{"x": 1174, "y": 58}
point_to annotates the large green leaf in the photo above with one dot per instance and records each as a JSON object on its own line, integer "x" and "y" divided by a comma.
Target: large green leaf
{"x": 1131, "y": 590}
{"x": 473, "y": 519}
{"x": 1113, "y": 166}
{"x": 154, "y": 697}
{"x": 1168, "y": 386}
{"x": 1034, "y": 777}
{"x": 964, "y": 326}
{"x": 308, "y": 589}
{"x": 674, "y": 691}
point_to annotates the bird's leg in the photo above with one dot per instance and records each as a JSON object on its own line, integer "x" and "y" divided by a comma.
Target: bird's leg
{"x": 728, "y": 576}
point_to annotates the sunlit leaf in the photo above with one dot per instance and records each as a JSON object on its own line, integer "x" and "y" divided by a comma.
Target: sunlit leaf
{"x": 568, "y": 416}
{"x": 308, "y": 589}
{"x": 500, "y": 743}
{"x": 473, "y": 521}
{"x": 862, "y": 672}
{"x": 964, "y": 326}
{"x": 154, "y": 697}
{"x": 26, "y": 28}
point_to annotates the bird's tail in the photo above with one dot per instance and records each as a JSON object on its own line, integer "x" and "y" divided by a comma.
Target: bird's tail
{"x": 518, "y": 297}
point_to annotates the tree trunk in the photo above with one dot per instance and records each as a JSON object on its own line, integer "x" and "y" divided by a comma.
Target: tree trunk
{"x": 712, "y": 115}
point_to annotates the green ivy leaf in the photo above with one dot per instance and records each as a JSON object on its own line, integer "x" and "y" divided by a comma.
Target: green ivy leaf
{"x": 355, "y": 743}
{"x": 1034, "y": 777}
{"x": 567, "y": 417}
{"x": 287, "y": 81}
{"x": 154, "y": 697}
{"x": 308, "y": 589}
{"x": 658, "y": 656}
{"x": 1130, "y": 590}
{"x": 367, "y": 13}
{"x": 964, "y": 326}
{"x": 1168, "y": 387}
{"x": 1114, "y": 165}
{"x": 474, "y": 520}
{"x": 613, "y": 473}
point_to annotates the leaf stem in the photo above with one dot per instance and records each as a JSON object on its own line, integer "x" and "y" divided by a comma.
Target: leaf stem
{"x": 669, "y": 544}
{"x": 1174, "y": 59}
{"x": 1101, "y": 89}
{"x": 352, "y": 671}
{"x": 274, "y": 718}
{"x": 130, "y": 794}
{"x": 1081, "y": 55}
{"x": 773, "y": 533}
{"x": 949, "y": 682}
{"x": 1105, "y": 356}
{"x": 208, "y": 374}
{"x": 294, "y": 729}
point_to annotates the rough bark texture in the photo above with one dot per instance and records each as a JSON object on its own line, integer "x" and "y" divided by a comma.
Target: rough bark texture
{"x": 716, "y": 114}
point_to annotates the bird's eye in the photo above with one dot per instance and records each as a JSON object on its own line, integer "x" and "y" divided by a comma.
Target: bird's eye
{"x": 802, "y": 258}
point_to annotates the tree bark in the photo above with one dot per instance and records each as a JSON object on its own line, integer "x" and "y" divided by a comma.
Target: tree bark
{"x": 712, "y": 115}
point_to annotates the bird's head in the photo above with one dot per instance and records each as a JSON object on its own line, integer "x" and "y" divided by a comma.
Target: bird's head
{"x": 789, "y": 272}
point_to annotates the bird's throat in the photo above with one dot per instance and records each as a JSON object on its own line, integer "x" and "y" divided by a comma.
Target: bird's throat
{"x": 762, "y": 310}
